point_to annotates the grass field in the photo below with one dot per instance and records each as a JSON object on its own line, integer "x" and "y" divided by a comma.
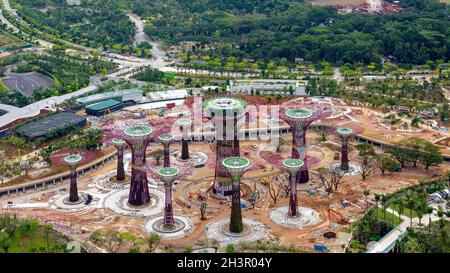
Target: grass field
{"x": 7, "y": 41}
{"x": 389, "y": 217}
{"x": 406, "y": 211}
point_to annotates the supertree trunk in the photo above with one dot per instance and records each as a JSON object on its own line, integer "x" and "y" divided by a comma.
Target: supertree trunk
{"x": 299, "y": 152}
{"x": 184, "y": 149}
{"x": 168, "y": 209}
{"x": 293, "y": 210}
{"x": 120, "y": 176}
{"x": 224, "y": 148}
{"x": 166, "y": 156}
{"x": 236, "y": 146}
{"x": 222, "y": 184}
{"x": 344, "y": 156}
{"x": 304, "y": 174}
{"x": 73, "y": 195}
{"x": 236, "y": 223}
{"x": 139, "y": 194}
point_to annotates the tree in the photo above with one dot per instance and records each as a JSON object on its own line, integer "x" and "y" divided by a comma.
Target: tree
{"x": 274, "y": 186}
{"x": 411, "y": 245}
{"x": 112, "y": 241}
{"x": 366, "y": 194}
{"x": 366, "y": 154}
{"x": 385, "y": 163}
{"x": 431, "y": 156}
{"x": 152, "y": 241}
{"x": 399, "y": 153}
{"x": 330, "y": 179}
{"x": 429, "y": 211}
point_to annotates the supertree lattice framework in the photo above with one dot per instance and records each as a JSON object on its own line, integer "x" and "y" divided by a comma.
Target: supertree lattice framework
{"x": 72, "y": 161}
{"x": 137, "y": 138}
{"x": 228, "y": 116}
{"x": 120, "y": 146}
{"x": 299, "y": 118}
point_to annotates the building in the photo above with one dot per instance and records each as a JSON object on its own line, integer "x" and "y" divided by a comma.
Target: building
{"x": 403, "y": 110}
{"x": 167, "y": 95}
{"x": 426, "y": 114}
{"x": 100, "y": 108}
{"x": 133, "y": 96}
{"x": 268, "y": 87}
{"x": 46, "y": 126}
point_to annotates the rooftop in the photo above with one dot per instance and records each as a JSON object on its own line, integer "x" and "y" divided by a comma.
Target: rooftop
{"x": 103, "y": 105}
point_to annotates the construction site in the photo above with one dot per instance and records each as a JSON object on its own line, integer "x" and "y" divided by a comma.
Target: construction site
{"x": 202, "y": 198}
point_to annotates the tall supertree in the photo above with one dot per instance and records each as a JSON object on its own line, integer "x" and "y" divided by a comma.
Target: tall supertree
{"x": 120, "y": 145}
{"x": 167, "y": 176}
{"x": 293, "y": 166}
{"x": 236, "y": 166}
{"x": 72, "y": 161}
{"x": 299, "y": 119}
{"x": 185, "y": 126}
{"x": 227, "y": 115}
{"x": 137, "y": 138}
{"x": 345, "y": 134}
{"x": 166, "y": 140}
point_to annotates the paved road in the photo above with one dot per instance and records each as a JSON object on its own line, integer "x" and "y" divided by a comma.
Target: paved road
{"x": 6, "y": 6}
{"x": 158, "y": 61}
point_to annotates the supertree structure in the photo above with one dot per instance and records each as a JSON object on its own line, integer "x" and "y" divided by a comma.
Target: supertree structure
{"x": 293, "y": 166}
{"x": 236, "y": 166}
{"x": 227, "y": 115}
{"x": 120, "y": 145}
{"x": 167, "y": 176}
{"x": 185, "y": 126}
{"x": 72, "y": 161}
{"x": 299, "y": 119}
{"x": 137, "y": 138}
{"x": 166, "y": 140}
{"x": 345, "y": 134}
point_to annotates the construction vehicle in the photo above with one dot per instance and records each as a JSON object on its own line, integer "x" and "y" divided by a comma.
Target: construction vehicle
{"x": 341, "y": 220}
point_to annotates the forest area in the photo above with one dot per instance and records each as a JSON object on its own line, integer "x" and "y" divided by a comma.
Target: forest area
{"x": 260, "y": 30}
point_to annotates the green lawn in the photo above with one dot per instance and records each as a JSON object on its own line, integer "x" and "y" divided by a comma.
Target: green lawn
{"x": 389, "y": 216}
{"x": 3, "y": 87}
{"x": 406, "y": 211}
{"x": 7, "y": 41}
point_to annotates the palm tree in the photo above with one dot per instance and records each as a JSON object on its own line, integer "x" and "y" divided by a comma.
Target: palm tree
{"x": 377, "y": 198}
{"x": 383, "y": 204}
{"x": 429, "y": 211}
{"x": 410, "y": 205}
{"x": 366, "y": 193}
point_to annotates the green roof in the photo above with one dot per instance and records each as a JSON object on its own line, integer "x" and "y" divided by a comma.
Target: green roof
{"x": 103, "y": 105}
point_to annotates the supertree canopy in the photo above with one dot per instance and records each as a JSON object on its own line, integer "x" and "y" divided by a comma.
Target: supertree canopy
{"x": 236, "y": 166}
{"x": 166, "y": 140}
{"x": 120, "y": 145}
{"x": 137, "y": 138}
{"x": 72, "y": 161}
{"x": 293, "y": 166}
{"x": 227, "y": 115}
{"x": 167, "y": 176}
{"x": 299, "y": 116}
